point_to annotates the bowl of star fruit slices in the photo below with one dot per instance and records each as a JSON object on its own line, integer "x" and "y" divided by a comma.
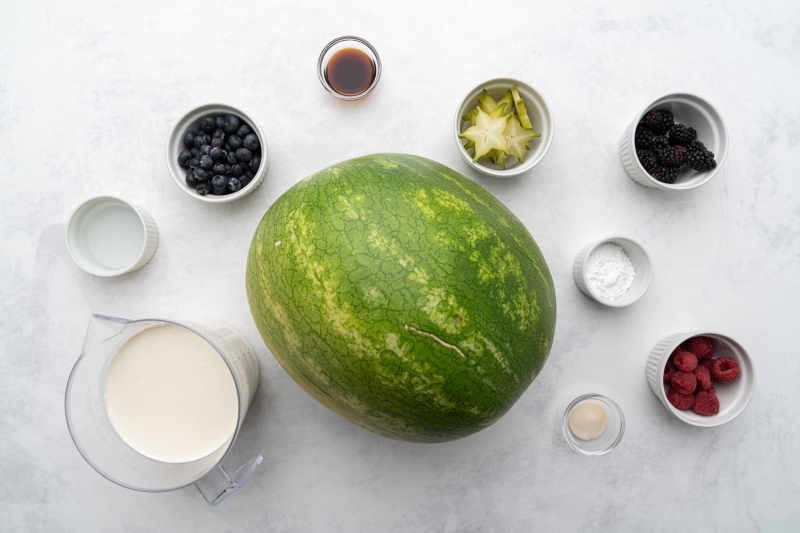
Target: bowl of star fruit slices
{"x": 503, "y": 127}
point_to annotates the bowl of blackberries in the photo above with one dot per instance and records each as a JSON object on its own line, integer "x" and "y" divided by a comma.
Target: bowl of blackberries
{"x": 217, "y": 153}
{"x": 678, "y": 142}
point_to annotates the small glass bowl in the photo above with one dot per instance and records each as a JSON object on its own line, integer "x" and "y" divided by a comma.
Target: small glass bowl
{"x": 348, "y": 41}
{"x": 610, "y": 437}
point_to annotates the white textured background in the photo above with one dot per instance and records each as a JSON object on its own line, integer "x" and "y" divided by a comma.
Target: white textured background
{"x": 88, "y": 92}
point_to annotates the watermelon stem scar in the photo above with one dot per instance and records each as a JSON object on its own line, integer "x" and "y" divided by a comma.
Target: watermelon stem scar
{"x": 412, "y": 329}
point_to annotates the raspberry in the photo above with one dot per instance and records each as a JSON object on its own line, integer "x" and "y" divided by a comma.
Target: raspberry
{"x": 706, "y": 402}
{"x": 725, "y": 369}
{"x": 669, "y": 371}
{"x": 703, "y": 376}
{"x": 706, "y": 363}
{"x": 678, "y": 400}
{"x": 685, "y": 382}
{"x": 700, "y": 346}
{"x": 685, "y": 361}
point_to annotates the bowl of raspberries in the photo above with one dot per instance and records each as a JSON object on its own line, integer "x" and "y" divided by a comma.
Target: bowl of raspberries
{"x": 705, "y": 379}
{"x": 678, "y": 142}
{"x": 217, "y": 153}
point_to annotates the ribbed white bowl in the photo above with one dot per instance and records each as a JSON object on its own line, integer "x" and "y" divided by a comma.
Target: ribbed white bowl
{"x": 541, "y": 119}
{"x": 641, "y": 264}
{"x": 733, "y": 396}
{"x": 690, "y": 110}
{"x": 191, "y": 121}
{"x": 84, "y": 259}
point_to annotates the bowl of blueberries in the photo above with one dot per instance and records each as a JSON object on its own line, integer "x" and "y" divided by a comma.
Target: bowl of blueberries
{"x": 217, "y": 153}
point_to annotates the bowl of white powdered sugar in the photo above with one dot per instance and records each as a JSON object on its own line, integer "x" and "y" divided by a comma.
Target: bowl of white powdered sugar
{"x": 615, "y": 271}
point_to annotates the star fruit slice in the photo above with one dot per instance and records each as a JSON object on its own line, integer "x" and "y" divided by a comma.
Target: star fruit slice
{"x": 486, "y": 102}
{"x": 521, "y": 111}
{"x": 487, "y": 134}
{"x": 517, "y": 138}
{"x": 498, "y": 112}
{"x": 498, "y": 158}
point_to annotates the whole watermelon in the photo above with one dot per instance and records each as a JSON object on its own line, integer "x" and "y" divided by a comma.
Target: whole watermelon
{"x": 402, "y": 296}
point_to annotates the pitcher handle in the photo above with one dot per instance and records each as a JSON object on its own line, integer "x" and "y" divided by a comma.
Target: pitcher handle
{"x": 217, "y": 485}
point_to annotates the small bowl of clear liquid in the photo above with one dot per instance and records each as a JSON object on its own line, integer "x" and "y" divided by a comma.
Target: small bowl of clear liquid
{"x": 107, "y": 236}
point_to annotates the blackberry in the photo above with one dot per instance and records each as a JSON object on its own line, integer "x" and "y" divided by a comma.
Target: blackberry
{"x": 647, "y": 158}
{"x": 665, "y": 174}
{"x": 681, "y": 135}
{"x": 643, "y": 138}
{"x": 660, "y": 142}
{"x": 695, "y": 145}
{"x": 701, "y": 160}
{"x": 672, "y": 156}
{"x": 659, "y": 121}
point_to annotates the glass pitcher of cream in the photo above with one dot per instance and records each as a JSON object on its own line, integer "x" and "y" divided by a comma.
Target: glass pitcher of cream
{"x": 155, "y": 405}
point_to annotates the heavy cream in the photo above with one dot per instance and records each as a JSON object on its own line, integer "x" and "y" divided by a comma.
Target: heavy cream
{"x": 170, "y": 395}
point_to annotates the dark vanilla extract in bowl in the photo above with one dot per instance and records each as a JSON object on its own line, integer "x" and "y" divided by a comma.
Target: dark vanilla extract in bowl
{"x": 349, "y": 68}
{"x": 350, "y": 72}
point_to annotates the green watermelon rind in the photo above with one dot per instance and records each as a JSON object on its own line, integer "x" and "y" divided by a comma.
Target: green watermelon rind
{"x": 402, "y": 296}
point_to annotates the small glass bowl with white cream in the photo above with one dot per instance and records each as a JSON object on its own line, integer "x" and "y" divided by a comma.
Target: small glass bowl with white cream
{"x": 593, "y": 424}
{"x": 615, "y": 271}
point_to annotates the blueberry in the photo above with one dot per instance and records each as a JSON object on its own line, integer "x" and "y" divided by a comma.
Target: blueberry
{"x": 218, "y": 134}
{"x": 231, "y": 157}
{"x": 188, "y": 139}
{"x": 219, "y": 168}
{"x": 235, "y": 142}
{"x": 228, "y": 148}
{"x": 191, "y": 181}
{"x": 202, "y": 189}
{"x": 220, "y": 192}
{"x": 234, "y": 185}
{"x": 193, "y": 163}
{"x": 206, "y": 162}
{"x": 243, "y": 154}
{"x": 254, "y": 163}
{"x": 216, "y": 153}
{"x": 194, "y": 151}
{"x": 237, "y": 170}
{"x": 184, "y": 157}
{"x": 201, "y": 175}
{"x": 217, "y": 143}
{"x": 218, "y": 122}
{"x": 244, "y": 180}
{"x": 228, "y": 167}
{"x": 207, "y": 123}
{"x": 231, "y": 123}
{"x": 251, "y": 142}
{"x": 249, "y": 175}
{"x": 219, "y": 182}
{"x": 205, "y": 150}
{"x": 243, "y": 130}
{"x": 199, "y": 140}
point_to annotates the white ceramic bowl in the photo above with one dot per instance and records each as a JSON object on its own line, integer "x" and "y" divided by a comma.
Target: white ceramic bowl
{"x": 107, "y": 236}
{"x": 191, "y": 121}
{"x": 689, "y": 110}
{"x": 733, "y": 396}
{"x": 641, "y": 264}
{"x": 541, "y": 120}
